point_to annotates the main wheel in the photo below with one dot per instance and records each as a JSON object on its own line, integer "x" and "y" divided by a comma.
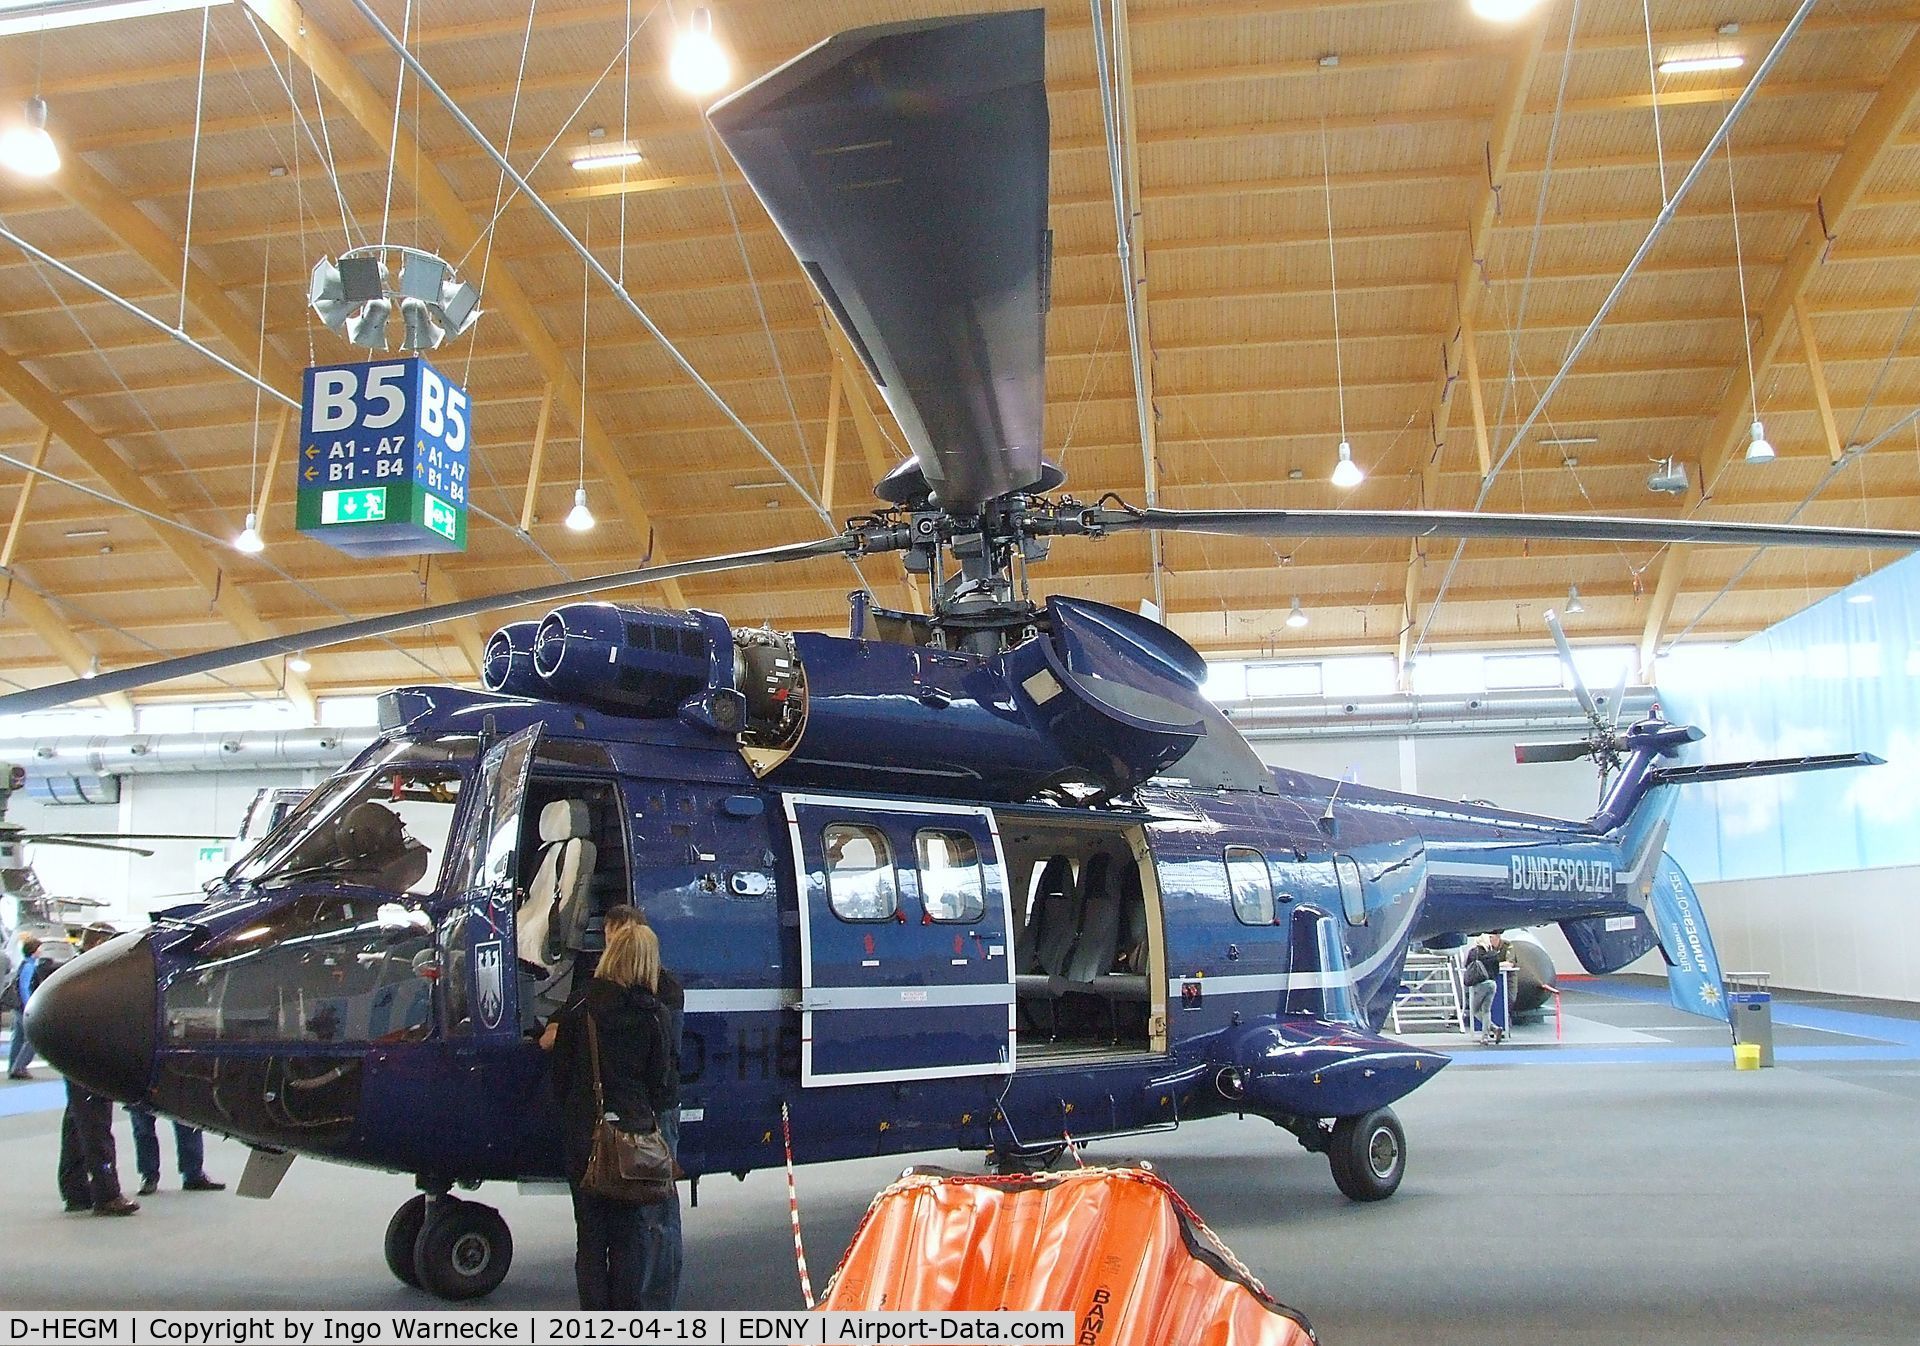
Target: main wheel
{"x": 1368, "y": 1154}
{"x": 463, "y": 1250}
{"x": 403, "y": 1231}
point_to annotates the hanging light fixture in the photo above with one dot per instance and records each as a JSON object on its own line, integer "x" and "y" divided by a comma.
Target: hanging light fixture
{"x": 1346, "y": 472}
{"x": 698, "y": 64}
{"x": 1758, "y": 450}
{"x": 28, "y": 150}
{"x": 1574, "y": 605}
{"x": 1503, "y": 11}
{"x": 93, "y": 668}
{"x": 580, "y": 518}
{"x": 298, "y": 662}
{"x": 250, "y": 540}
{"x": 1296, "y": 618}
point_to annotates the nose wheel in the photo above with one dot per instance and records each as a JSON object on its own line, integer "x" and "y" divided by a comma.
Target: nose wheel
{"x": 450, "y": 1248}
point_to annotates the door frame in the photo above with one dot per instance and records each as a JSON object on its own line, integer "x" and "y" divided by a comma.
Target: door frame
{"x": 809, "y": 1002}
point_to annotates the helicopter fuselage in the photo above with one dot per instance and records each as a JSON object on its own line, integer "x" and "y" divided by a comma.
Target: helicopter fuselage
{"x": 896, "y": 1012}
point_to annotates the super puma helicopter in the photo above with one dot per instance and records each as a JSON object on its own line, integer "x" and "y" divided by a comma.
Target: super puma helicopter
{"x": 988, "y": 878}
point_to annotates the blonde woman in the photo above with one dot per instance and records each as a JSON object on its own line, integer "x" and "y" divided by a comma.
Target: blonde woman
{"x": 639, "y": 1079}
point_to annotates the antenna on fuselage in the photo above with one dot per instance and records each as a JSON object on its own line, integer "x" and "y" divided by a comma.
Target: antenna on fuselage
{"x": 1327, "y": 821}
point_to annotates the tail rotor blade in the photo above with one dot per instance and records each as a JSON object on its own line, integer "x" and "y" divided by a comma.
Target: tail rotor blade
{"x": 1573, "y": 670}
{"x": 1619, "y": 700}
{"x": 1527, "y": 754}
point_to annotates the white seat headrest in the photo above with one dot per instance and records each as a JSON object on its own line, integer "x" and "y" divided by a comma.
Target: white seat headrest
{"x": 563, "y": 820}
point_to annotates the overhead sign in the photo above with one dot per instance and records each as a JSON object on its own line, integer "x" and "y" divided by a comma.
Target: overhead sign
{"x": 382, "y": 466}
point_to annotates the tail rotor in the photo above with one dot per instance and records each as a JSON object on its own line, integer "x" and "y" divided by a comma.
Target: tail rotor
{"x": 1603, "y": 743}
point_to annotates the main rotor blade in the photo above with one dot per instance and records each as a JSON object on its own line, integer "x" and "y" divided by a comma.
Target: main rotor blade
{"x": 94, "y": 846}
{"x": 1526, "y": 754}
{"x": 212, "y": 661}
{"x": 906, "y": 165}
{"x": 1580, "y": 691}
{"x": 1440, "y": 523}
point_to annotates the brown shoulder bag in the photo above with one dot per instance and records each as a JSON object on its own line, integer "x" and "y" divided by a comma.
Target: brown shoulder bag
{"x": 631, "y": 1166}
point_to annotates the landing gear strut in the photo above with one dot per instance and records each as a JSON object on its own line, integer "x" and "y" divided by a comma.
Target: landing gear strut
{"x": 450, "y": 1248}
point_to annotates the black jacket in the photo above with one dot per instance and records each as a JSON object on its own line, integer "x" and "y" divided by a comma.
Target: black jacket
{"x": 639, "y": 1066}
{"x": 1489, "y": 958}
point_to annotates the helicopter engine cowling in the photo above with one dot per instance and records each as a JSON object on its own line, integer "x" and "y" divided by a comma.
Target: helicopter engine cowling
{"x": 507, "y": 665}
{"x": 642, "y": 661}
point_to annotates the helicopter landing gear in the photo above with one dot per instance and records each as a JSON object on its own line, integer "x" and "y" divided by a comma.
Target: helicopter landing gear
{"x": 450, "y": 1248}
{"x": 1368, "y": 1154}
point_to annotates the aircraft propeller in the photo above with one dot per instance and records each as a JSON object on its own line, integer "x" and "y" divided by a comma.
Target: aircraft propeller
{"x": 1602, "y": 742}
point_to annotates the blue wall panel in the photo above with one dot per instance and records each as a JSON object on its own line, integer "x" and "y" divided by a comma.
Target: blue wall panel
{"x": 1841, "y": 676}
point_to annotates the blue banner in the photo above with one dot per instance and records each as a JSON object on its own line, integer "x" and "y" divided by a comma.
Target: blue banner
{"x": 1693, "y": 969}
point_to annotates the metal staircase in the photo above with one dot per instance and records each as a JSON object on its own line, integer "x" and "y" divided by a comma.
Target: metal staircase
{"x": 1430, "y": 999}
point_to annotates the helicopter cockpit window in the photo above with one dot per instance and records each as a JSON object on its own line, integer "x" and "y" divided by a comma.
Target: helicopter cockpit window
{"x": 1251, "y": 884}
{"x": 322, "y": 968}
{"x": 952, "y": 887}
{"x": 860, "y": 879}
{"x": 385, "y": 827}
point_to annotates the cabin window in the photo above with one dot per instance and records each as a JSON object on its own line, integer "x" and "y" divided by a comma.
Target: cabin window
{"x": 952, "y": 886}
{"x": 1251, "y": 885}
{"x": 860, "y": 879}
{"x": 1353, "y": 892}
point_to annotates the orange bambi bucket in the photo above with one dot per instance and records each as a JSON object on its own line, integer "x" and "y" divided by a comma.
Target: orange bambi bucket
{"x": 1117, "y": 1247}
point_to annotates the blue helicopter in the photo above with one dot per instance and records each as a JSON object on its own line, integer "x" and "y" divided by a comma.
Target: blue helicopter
{"x": 994, "y": 878}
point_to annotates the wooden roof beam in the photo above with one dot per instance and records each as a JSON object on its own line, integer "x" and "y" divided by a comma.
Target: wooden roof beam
{"x": 1867, "y": 148}
{"x": 55, "y": 630}
{"x": 121, "y": 478}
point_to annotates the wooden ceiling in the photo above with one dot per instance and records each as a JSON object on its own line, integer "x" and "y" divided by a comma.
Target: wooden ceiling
{"x": 1443, "y": 133}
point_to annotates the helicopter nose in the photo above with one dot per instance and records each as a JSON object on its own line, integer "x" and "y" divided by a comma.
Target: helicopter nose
{"x": 93, "y": 1019}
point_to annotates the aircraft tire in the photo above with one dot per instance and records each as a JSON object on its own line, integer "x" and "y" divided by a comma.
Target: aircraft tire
{"x": 463, "y": 1250}
{"x": 403, "y": 1231}
{"x": 1368, "y": 1154}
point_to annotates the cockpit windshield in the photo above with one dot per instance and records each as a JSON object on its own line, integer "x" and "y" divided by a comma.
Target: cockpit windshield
{"x": 385, "y": 824}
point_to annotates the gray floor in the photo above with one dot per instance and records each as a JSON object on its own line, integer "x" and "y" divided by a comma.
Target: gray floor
{"x": 1645, "y": 1200}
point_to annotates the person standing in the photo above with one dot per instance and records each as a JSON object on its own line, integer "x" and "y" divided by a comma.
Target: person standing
{"x": 189, "y": 1148}
{"x": 89, "y": 1172}
{"x": 639, "y": 1080}
{"x": 660, "y": 1271}
{"x": 1481, "y": 976}
{"x": 32, "y": 971}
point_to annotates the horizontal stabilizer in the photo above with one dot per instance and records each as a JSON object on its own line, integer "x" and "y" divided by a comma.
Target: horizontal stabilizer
{"x": 1766, "y": 766}
{"x": 1526, "y": 754}
{"x": 1606, "y": 944}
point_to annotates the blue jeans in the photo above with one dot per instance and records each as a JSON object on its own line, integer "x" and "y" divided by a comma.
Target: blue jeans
{"x": 660, "y": 1267}
{"x": 20, "y": 1054}
{"x": 189, "y": 1146}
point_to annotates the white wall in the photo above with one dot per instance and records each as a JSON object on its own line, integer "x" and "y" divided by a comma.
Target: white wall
{"x": 1446, "y": 766}
{"x": 1853, "y": 933}
{"x": 134, "y": 886}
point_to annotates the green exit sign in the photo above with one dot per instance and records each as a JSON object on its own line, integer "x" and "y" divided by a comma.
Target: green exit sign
{"x": 368, "y": 504}
{"x": 438, "y": 515}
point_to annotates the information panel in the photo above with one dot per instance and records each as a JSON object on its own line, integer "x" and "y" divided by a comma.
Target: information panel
{"x": 382, "y": 466}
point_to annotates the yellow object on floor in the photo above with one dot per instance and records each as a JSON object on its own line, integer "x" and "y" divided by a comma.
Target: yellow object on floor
{"x": 1746, "y": 1056}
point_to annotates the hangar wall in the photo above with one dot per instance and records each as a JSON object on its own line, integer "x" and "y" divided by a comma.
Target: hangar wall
{"x": 132, "y": 886}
